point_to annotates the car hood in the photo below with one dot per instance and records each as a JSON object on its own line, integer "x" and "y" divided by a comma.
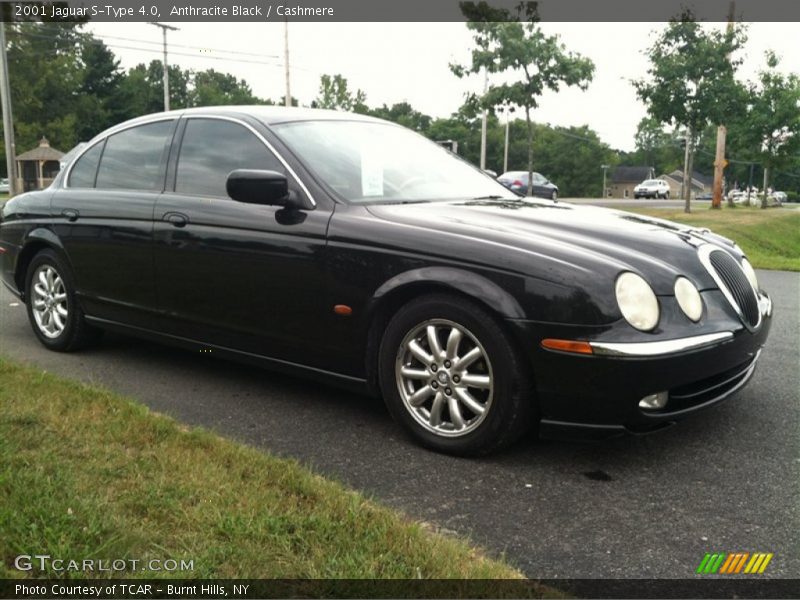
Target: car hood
{"x": 560, "y": 242}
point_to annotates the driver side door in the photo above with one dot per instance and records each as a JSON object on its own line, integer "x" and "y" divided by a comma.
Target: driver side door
{"x": 244, "y": 276}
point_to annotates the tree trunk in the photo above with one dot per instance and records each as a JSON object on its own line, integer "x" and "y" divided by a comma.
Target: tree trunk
{"x": 766, "y": 184}
{"x": 530, "y": 150}
{"x": 687, "y": 171}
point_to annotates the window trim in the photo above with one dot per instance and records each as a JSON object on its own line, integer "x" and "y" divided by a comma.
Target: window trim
{"x": 103, "y": 137}
{"x": 259, "y": 136}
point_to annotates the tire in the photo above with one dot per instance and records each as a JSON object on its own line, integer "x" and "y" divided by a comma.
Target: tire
{"x": 53, "y": 311}
{"x": 666, "y": 196}
{"x": 499, "y": 381}
{"x": 554, "y": 196}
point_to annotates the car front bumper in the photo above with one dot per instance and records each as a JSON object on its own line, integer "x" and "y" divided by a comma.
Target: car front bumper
{"x": 597, "y": 395}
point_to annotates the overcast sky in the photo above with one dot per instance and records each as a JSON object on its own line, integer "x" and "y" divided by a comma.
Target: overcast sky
{"x": 394, "y": 62}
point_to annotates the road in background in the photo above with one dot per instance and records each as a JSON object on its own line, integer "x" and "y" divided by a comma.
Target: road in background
{"x": 726, "y": 480}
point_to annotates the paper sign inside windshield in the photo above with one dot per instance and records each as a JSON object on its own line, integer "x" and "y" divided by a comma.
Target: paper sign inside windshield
{"x": 371, "y": 171}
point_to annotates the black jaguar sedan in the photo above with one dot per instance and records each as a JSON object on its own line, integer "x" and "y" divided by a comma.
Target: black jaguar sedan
{"x": 352, "y": 250}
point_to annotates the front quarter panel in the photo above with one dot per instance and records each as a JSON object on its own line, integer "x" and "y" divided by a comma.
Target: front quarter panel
{"x": 369, "y": 260}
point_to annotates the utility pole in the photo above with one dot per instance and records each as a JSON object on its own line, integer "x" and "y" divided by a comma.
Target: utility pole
{"x": 484, "y": 119}
{"x": 505, "y": 149}
{"x": 166, "y": 65}
{"x": 288, "y": 99}
{"x": 605, "y": 170}
{"x": 719, "y": 166}
{"x": 8, "y": 121}
{"x": 719, "y": 160}
{"x": 686, "y": 184}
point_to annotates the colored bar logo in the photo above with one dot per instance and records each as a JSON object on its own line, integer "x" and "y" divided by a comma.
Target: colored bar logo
{"x": 723, "y": 563}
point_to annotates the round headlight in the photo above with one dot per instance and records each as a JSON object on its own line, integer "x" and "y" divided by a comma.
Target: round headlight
{"x": 637, "y": 301}
{"x": 688, "y": 298}
{"x": 750, "y": 272}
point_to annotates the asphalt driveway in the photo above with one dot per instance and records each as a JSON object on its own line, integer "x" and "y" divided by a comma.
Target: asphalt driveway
{"x": 727, "y": 480}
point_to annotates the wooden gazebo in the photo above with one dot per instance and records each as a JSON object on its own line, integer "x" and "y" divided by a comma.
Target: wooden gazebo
{"x": 37, "y": 168}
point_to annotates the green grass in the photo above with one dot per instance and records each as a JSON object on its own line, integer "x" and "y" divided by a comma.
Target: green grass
{"x": 85, "y": 473}
{"x": 770, "y": 238}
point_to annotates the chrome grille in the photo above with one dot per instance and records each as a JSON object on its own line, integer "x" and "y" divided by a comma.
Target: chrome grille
{"x": 740, "y": 293}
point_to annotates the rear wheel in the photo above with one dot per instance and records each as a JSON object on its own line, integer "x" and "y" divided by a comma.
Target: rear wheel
{"x": 450, "y": 376}
{"x": 53, "y": 311}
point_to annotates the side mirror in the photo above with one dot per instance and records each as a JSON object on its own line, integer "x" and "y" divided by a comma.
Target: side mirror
{"x": 258, "y": 187}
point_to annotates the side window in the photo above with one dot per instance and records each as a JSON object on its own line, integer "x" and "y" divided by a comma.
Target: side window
{"x": 211, "y": 149}
{"x": 85, "y": 170}
{"x": 132, "y": 158}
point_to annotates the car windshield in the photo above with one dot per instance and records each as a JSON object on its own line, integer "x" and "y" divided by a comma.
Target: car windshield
{"x": 651, "y": 182}
{"x": 380, "y": 162}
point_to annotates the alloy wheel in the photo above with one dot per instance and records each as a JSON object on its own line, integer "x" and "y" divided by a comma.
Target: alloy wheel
{"x": 445, "y": 378}
{"x": 49, "y": 297}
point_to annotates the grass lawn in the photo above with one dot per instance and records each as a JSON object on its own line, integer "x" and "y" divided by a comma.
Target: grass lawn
{"x": 770, "y": 237}
{"x": 85, "y": 473}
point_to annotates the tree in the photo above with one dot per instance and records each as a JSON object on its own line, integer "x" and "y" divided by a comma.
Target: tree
{"x": 404, "y": 114}
{"x": 100, "y": 103}
{"x": 773, "y": 119}
{"x": 691, "y": 81}
{"x": 212, "y": 88}
{"x": 539, "y": 62}
{"x": 335, "y": 95}
{"x": 143, "y": 88}
{"x": 45, "y": 74}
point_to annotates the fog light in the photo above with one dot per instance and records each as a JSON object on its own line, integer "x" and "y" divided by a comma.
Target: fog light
{"x": 654, "y": 401}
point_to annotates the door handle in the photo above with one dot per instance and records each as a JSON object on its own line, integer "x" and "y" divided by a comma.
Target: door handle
{"x": 177, "y": 219}
{"x": 70, "y": 214}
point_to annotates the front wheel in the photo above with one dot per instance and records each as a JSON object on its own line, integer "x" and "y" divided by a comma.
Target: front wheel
{"x": 450, "y": 376}
{"x": 53, "y": 311}
{"x": 554, "y": 196}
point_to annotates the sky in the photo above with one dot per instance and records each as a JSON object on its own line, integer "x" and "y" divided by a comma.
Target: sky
{"x": 396, "y": 62}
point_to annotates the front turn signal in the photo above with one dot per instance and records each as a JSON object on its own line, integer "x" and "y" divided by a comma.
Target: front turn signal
{"x": 567, "y": 346}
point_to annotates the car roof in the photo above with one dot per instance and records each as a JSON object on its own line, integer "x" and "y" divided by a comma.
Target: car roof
{"x": 270, "y": 115}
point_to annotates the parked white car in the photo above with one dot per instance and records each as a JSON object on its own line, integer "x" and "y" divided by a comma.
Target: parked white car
{"x": 651, "y": 188}
{"x": 4, "y": 186}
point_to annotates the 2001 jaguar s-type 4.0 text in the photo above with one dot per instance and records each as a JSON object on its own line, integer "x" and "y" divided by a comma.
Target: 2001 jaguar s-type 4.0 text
{"x": 351, "y": 249}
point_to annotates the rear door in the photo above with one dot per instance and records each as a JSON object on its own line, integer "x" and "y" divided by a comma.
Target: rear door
{"x": 104, "y": 218}
{"x": 242, "y": 276}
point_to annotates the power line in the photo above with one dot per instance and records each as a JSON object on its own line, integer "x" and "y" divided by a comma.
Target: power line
{"x": 94, "y": 38}
{"x": 201, "y": 48}
{"x": 198, "y": 56}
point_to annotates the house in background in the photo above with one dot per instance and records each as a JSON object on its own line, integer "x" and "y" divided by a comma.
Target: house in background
{"x": 700, "y": 183}
{"x": 37, "y": 168}
{"x": 624, "y": 179}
